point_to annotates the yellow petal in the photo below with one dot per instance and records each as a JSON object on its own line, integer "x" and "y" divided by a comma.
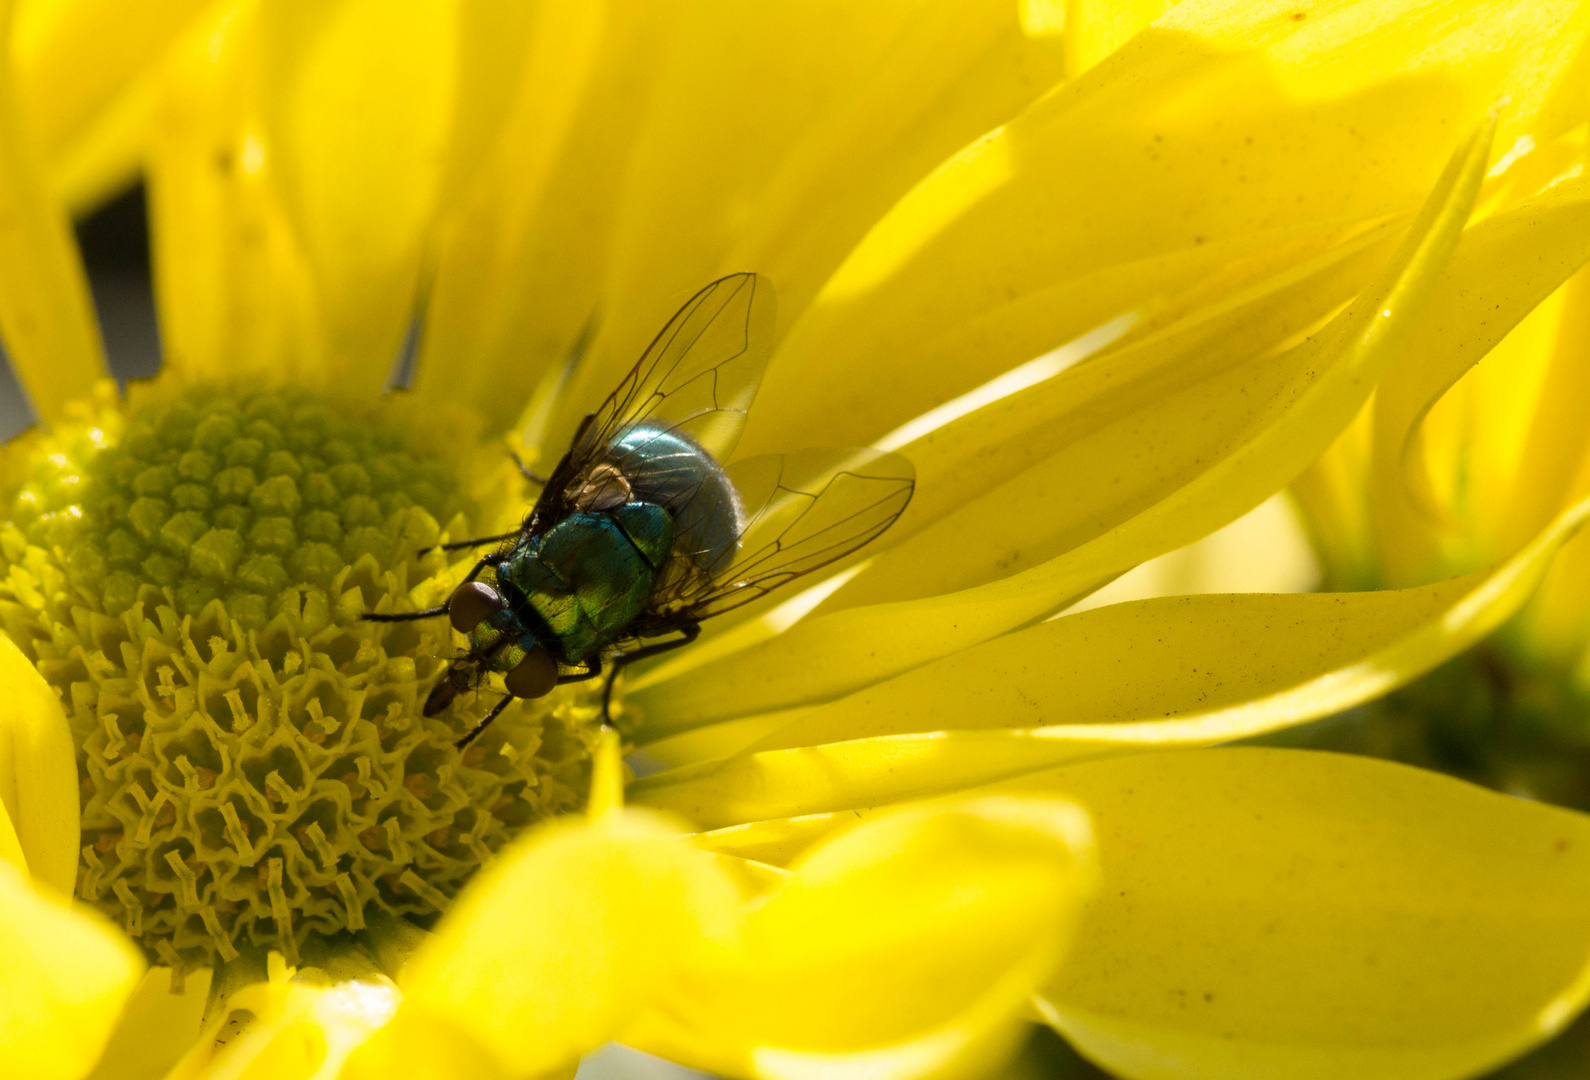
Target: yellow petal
{"x": 76, "y": 62}
{"x": 1287, "y": 659}
{"x": 1222, "y": 120}
{"x": 1555, "y": 442}
{"x": 157, "y": 1027}
{"x": 417, "y": 1046}
{"x": 1096, "y": 28}
{"x": 38, "y": 771}
{"x": 1332, "y": 495}
{"x": 356, "y": 107}
{"x": 10, "y": 846}
{"x": 777, "y": 134}
{"x": 235, "y": 295}
{"x": 1504, "y": 267}
{"x": 906, "y": 947}
{"x": 65, "y": 977}
{"x": 824, "y": 657}
{"x": 1063, "y": 461}
{"x": 1277, "y": 913}
{"x": 46, "y": 315}
{"x": 557, "y": 946}
{"x": 286, "y": 1023}
{"x": 520, "y": 260}
{"x": 105, "y": 160}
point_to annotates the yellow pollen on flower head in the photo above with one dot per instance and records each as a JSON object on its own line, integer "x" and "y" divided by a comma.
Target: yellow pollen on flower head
{"x": 190, "y": 574}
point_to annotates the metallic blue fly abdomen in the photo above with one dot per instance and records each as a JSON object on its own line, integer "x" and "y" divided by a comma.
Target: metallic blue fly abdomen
{"x": 668, "y": 468}
{"x": 588, "y": 576}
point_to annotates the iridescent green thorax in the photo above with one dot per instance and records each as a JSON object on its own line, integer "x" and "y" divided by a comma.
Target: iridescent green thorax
{"x": 189, "y": 574}
{"x": 588, "y": 577}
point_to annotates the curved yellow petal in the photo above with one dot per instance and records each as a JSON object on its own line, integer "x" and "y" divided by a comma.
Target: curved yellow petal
{"x": 1065, "y": 460}
{"x": 1169, "y": 657}
{"x": 824, "y": 657}
{"x": 356, "y": 108}
{"x": 1260, "y": 660}
{"x": 1221, "y": 120}
{"x": 417, "y": 1046}
{"x": 281, "y": 1022}
{"x": 46, "y": 315}
{"x": 1504, "y": 267}
{"x": 158, "y": 1026}
{"x": 1272, "y": 913}
{"x": 777, "y": 133}
{"x": 65, "y": 976}
{"x": 38, "y": 771}
{"x": 1085, "y": 429}
{"x": 77, "y": 63}
{"x": 558, "y": 945}
{"x": 234, "y": 291}
{"x": 520, "y": 259}
{"x": 905, "y": 947}
{"x": 1556, "y": 442}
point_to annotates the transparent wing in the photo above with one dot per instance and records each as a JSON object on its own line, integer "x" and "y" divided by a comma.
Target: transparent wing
{"x": 699, "y": 374}
{"x": 697, "y": 378}
{"x": 800, "y": 512}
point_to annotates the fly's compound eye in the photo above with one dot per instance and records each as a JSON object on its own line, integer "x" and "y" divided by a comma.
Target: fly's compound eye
{"x": 534, "y": 676}
{"x": 473, "y": 603}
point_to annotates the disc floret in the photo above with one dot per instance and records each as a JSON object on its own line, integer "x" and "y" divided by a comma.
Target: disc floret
{"x": 189, "y": 574}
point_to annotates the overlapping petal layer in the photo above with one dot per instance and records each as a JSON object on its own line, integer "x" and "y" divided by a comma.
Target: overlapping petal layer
{"x": 1219, "y": 121}
{"x": 626, "y": 897}
{"x": 1216, "y": 668}
{"x": 1280, "y": 913}
{"x": 1332, "y": 374}
{"x": 65, "y": 976}
{"x": 735, "y": 966}
{"x": 38, "y": 773}
{"x": 1268, "y": 913}
{"x": 906, "y": 947}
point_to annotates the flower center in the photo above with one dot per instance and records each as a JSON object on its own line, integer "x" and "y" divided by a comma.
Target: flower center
{"x": 189, "y": 574}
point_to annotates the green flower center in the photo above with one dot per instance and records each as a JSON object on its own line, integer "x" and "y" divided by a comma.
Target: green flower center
{"x": 255, "y": 769}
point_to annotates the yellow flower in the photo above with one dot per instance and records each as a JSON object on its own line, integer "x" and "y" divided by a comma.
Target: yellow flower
{"x": 1106, "y": 292}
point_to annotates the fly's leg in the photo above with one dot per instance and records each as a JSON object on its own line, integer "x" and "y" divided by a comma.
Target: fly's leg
{"x": 479, "y": 541}
{"x": 538, "y": 481}
{"x": 431, "y": 613}
{"x": 593, "y": 668}
{"x": 474, "y": 732}
{"x": 623, "y": 660}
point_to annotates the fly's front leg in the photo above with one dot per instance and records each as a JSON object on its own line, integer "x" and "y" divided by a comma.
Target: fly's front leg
{"x": 485, "y": 722}
{"x": 593, "y": 668}
{"x": 431, "y": 613}
{"x": 479, "y": 541}
{"x": 690, "y": 631}
{"x": 524, "y": 470}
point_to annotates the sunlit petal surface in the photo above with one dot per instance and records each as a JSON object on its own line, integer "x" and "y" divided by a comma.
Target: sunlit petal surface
{"x": 828, "y": 975}
{"x": 1274, "y": 913}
